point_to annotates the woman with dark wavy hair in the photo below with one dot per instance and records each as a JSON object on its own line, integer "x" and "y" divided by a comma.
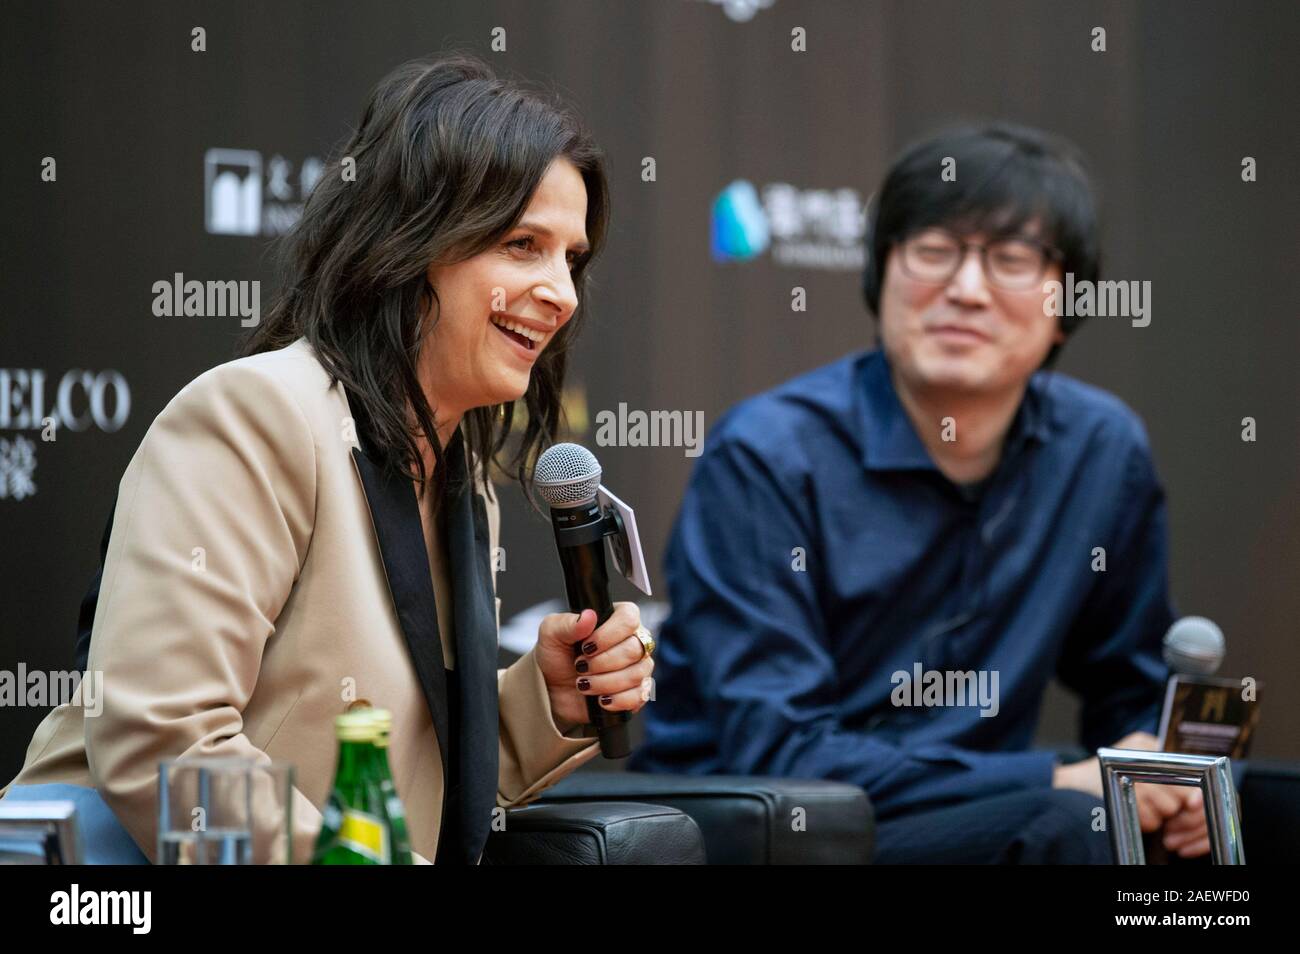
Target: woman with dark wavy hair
{"x": 310, "y": 526}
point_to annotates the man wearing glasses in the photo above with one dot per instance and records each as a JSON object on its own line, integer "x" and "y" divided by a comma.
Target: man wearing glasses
{"x": 879, "y": 566}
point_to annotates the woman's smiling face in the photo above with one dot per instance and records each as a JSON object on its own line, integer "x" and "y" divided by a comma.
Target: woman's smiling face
{"x": 501, "y": 308}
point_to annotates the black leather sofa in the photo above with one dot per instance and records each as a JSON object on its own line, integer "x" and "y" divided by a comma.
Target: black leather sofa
{"x": 595, "y": 833}
{"x": 599, "y": 817}
{"x": 616, "y": 817}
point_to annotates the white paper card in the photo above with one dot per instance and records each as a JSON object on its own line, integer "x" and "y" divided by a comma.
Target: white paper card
{"x": 635, "y": 573}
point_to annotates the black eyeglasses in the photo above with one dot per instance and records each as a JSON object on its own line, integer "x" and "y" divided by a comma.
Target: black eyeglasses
{"x": 1015, "y": 263}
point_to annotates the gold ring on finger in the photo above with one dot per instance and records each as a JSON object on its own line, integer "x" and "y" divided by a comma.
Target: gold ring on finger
{"x": 647, "y": 641}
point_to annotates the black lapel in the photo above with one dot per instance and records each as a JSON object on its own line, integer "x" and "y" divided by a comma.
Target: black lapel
{"x": 395, "y": 513}
{"x": 470, "y": 762}
{"x": 476, "y": 652}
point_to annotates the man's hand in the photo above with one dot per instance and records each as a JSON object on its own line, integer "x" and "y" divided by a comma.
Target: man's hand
{"x": 1187, "y": 832}
{"x": 611, "y": 666}
{"x": 1176, "y": 808}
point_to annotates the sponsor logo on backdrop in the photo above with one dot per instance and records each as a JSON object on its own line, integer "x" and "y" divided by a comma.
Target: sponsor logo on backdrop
{"x": 17, "y": 468}
{"x": 802, "y": 228}
{"x": 81, "y": 400}
{"x": 741, "y": 10}
{"x": 245, "y": 195}
{"x": 739, "y": 227}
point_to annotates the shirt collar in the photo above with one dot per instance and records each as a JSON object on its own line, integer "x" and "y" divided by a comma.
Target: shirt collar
{"x": 891, "y": 443}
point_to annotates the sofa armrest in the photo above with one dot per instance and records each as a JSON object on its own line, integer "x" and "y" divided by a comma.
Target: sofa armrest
{"x": 595, "y": 833}
{"x": 747, "y": 819}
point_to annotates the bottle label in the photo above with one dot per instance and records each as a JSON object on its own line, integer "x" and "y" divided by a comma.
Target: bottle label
{"x": 365, "y": 834}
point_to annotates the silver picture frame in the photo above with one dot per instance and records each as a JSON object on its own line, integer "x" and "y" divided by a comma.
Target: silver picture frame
{"x": 39, "y": 833}
{"x": 1122, "y": 769}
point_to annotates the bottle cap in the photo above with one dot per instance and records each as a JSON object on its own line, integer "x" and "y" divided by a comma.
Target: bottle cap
{"x": 358, "y": 726}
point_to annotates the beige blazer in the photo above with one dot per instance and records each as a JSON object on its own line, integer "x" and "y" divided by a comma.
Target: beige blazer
{"x": 254, "y": 586}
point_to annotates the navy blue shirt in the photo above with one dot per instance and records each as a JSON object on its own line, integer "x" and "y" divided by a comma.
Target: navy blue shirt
{"x": 819, "y": 551}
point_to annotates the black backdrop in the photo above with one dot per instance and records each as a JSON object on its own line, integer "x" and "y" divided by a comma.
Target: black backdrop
{"x": 132, "y": 116}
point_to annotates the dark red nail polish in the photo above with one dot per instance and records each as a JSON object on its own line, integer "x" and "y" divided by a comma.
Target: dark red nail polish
{"x": 581, "y": 665}
{"x": 584, "y": 685}
{"x": 606, "y": 700}
{"x": 589, "y": 648}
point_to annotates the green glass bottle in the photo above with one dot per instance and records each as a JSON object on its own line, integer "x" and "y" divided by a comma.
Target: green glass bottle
{"x": 393, "y": 808}
{"x": 354, "y": 828}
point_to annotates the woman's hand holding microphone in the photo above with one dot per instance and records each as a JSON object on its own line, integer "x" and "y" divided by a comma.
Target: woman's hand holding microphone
{"x": 615, "y": 664}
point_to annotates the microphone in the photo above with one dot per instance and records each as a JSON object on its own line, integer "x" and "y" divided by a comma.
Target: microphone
{"x": 1194, "y": 646}
{"x": 567, "y": 477}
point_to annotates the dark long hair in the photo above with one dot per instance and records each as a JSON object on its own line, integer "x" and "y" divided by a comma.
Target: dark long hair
{"x": 446, "y": 158}
{"x": 1008, "y": 175}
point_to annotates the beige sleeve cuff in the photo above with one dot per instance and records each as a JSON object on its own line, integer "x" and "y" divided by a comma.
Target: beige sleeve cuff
{"x": 535, "y": 753}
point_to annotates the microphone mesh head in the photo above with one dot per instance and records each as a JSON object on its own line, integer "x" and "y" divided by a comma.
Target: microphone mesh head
{"x": 1194, "y": 645}
{"x": 567, "y": 474}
